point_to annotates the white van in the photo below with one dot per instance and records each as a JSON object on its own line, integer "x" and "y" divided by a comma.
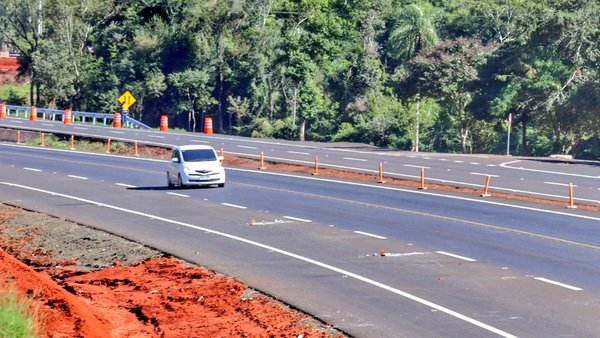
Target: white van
{"x": 195, "y": 165}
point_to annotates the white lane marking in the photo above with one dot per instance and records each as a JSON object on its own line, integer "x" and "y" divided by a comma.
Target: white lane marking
{"x": 289, "y": 254}
{"x": 561, "y": 184}
{"x": 427, "y": 158}
{"x": 20, "y": 122}
{"x": 456, "y": 256}
{"x": 47, "y": 124}
{"x": 475, "y": 163}
{"x": 81, "y": 128}
{"x": 416, "y": 166}
{"x": 458, "y": 161}
{"x": 78, "y": 177}
{"x": 298, "y": 152}
{"x": 370, "y": 235}
{"x": 246, "y": 147}
{"x": 125, "y": 185}
{"x": 481, "y": 174}
{"x": 450, "y": 197}
{"x": 355, "y": 159}
{"x": 490, "y": 165}
{"x": 156, "y": 136}
{"x": 506, "y": 165}
{"x": 298, "y": 219}
{"x": 32, "y": 169}
{"x": 443, "y": 159}
{"x": 234, "y": 206}
{"x": 387, "y": 254}
{"x": 176, "y": 194}
{"x": 411, "y": 156}
{"x": 199, "y": 141}
{"x": 117, "y": 132}
{"x": 566, "y": 286}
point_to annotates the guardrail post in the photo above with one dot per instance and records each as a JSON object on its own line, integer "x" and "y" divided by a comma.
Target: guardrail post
{"x": 380, "y": 179}
{"x": 571, "y": 198}
{"x": 486, "y": 190}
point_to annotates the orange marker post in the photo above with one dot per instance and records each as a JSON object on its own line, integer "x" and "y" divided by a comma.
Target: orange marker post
{"x": 571, "y": 198}
{"x": 486, "y": 190}
{"x": 262, "y": 161}
{"x": 18, "y": 137}
{"x": 43, "y": 140}
{"x": 135, "y": 146}
{"x": 108, "y": 146}
{"x": 2, "y": 110}
{"x": 380, "y": 180}
{"x": 67, "y": 117}
{"x": 422, "y": 187}
{"x": 164, "y": 123}
{"x": 33, "y": 113}
{"x": 72, "y": 146}
{"x": 316, "y": 172}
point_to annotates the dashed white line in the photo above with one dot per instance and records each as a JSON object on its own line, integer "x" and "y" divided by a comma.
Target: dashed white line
{"x": 199, "y": 141}
{"x": 117, "y": 132}
{"x": 355, "y": 159}
{"x": 458, "y": 161}
{"x": 125, "y": 185}
{"x": 475, "y": 163}
{"x": 456, "y": 256}
{"x": 80, "y": 128}
{"x": 427, "y": 158}
{"x": 491, "y": 165}
{"x": 561, "y": 184}
{"x": 32, "y": 169}
{"x": 156, "y": 136}
{"x": 20, "y": 122}
{"x": 234, "y": 206}
{"x": 78, "y": 177}
{"x": 443, "y": 159}
{"x": 298, "y": 219}
{"x": 47, "y": 124}
{"x": 176, "y": 194}
{"x": 482, "y": 174}
{"x": 566, "y": 286}
{"x": 246, "y": 147}
{"x": 416, "y": 166}
{"x": 369, "y": 234}
{"x": 298, "y": 152}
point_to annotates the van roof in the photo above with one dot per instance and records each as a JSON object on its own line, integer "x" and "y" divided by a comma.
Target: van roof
{"x": 193, "y": 146}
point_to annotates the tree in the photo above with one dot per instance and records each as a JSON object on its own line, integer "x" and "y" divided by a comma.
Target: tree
{"x": 412, "y": 32}
{"x": 193, "y": 92}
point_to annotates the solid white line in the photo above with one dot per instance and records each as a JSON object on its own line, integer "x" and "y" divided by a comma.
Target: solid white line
{"x": 125, "y": 185}
{"x": 156, "y": 136}
{"x": 416, "y": 166}
{"x": 234, "y": 206}
{"x": 566, "y": 286}
{"x": 176, "y": 194}
{"x": 246, "y": 147}
{"x": 505, "y": 165}
{"x": 32, "y": 169}
{"x": 355, "y": 159}
{"x": 456, "y": 256}
{"x": 297, "y": 219}
{"x": 78, "y": 177}
{"x": 298, "y": 152}
{"x": 199, "y": 141}
{"x": 561, "y": 184}
{"x": 370, "y": 235}
{"x": 292, "y": 255}
{"x": 480, "y": 174}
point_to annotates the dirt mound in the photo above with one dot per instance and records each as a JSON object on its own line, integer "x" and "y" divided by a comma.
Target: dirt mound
{"x": 155, "y": 296}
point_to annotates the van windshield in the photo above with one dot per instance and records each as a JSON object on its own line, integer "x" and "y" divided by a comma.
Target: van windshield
{"x": 198, "y": 155}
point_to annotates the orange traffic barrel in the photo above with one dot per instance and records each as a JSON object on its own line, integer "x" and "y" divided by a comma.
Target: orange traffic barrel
{"x": 117, "y": 120}
{"x": 164, "y": 123}
{"x": 33, "y": 113}
{"x": 67, "y": 118}
{"x": 2, "y": 110}
{"x": 208, "y": 125}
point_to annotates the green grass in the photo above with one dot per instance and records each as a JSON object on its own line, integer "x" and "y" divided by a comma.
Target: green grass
{"x": 20, "y": 90}
{"x": 16, "y": 319}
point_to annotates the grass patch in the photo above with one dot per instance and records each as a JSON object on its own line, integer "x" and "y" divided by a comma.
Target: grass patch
{"x": 21, "y": 91}
{"x": 17, "y": 315}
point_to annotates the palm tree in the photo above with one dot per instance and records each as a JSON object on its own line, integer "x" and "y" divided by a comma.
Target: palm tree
{"x": 413, "y": 31}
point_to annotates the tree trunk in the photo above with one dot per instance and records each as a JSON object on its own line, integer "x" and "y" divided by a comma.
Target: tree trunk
{"x": 193, "y": 120}
{"x": 302, "y": 129}
{"x": 524, "y": 120}
{"x": 221, "y": 114}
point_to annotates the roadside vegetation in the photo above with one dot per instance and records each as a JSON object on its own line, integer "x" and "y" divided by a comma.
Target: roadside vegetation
{"x": 416, "y": 75}
{"x": 17, "y": 315}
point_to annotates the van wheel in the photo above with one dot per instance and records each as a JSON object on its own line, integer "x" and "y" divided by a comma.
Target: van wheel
{"x": 179, "y": 182}
{"x": 221, "y": 185}
{"x": 169, "y": 183}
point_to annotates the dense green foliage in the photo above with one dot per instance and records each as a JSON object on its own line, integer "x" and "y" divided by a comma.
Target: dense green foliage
{"x": 437, "y": 76}
{"x": 15, "y": 318}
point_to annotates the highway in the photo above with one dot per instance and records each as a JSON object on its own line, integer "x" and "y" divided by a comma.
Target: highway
{"x": 454, "y": 266}
{"x": 543, "y": 177}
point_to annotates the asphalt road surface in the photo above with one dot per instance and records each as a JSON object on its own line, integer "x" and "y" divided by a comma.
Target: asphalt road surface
{"x": 453, "y": 266}
{"x": 539, "y": 177}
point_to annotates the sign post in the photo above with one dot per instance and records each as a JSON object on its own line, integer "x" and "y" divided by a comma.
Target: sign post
{"x": 126, "y": 100}
{"x": 508, "y": 135}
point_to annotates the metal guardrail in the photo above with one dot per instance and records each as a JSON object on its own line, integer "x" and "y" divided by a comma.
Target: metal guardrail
{"x": 77, "y": 116}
